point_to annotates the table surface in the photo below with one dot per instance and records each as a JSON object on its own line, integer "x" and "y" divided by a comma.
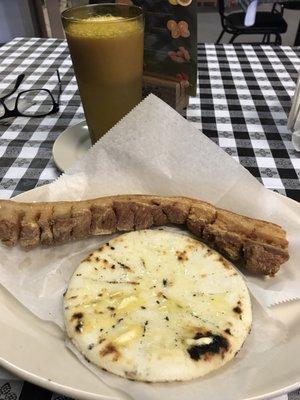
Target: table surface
{"x": 243, "y": 97}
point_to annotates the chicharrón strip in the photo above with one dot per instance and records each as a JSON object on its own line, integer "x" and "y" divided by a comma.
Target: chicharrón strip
{"x": 260, "y": 246}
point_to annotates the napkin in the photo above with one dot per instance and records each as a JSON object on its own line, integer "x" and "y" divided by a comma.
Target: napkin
{"x": 153, "y": 150}
{"x": 156, "y": 151}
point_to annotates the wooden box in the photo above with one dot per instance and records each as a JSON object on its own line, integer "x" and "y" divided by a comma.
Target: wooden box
{"x": 170, "y": 91}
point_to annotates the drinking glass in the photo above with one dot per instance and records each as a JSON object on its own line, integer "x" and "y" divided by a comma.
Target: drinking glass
{"x": 106, "y": 45}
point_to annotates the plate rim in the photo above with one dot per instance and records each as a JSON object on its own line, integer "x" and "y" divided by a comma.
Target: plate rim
{"x": 74, "y": 393}
{"x": 54, "y": 386}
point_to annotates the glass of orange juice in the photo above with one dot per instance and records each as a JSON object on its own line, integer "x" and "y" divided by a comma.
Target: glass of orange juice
{"x": 106, "y": 44}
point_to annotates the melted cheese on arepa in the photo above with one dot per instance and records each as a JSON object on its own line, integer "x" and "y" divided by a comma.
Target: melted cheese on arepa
{"x": 155, "y": 305}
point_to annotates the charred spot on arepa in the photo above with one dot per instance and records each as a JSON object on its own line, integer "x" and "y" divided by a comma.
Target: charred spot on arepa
{"x": 238, "y": 311}
{"x": 89, "y": 258}
{"x": 124, "y": 266}
{"x": 238, "y": 308}
{"x": 182, "y": 255}
{"x": 208, "y": 252}
{"x": 79, "y": 326}
{"x": 144, "y": 328}
{"x": 192, "y": 244}
{"x": 161, "y": 294}
{"x": 110, "y": 349}
{"x": 224, "y": 262}
{"x": 76, "y": 316}
{"x": 214, "y": 344}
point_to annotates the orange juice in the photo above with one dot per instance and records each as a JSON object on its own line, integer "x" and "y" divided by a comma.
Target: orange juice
{"x": 106, "y": 47}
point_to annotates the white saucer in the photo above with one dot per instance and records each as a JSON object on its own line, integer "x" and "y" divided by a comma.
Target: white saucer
{"x": 71, "y": 145}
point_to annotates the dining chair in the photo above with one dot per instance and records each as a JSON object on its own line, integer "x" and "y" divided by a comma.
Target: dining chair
{"x": 266, "y": 24}
{"x": 289, "y": 5}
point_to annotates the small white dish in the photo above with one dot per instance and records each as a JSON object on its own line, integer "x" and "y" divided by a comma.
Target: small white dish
{"x": 71, "y": 145}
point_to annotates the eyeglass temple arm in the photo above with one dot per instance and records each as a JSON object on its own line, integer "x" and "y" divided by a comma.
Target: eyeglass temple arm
{"x": 17, "y": 84}
{"x": 59, "y": 87}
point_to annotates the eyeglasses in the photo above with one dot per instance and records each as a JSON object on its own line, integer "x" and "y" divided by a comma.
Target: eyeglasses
{"x": 30, "y": 103}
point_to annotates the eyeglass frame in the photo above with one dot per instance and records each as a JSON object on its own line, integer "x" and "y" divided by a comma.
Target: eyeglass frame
{"x": 16, "y": 113}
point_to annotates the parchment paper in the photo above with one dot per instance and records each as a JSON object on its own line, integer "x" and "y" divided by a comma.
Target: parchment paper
{"x": 153, "y": 150}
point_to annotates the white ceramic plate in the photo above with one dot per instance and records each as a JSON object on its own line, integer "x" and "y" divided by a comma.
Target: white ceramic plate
{"x": 71, "y": 145}
{"x": 35, "y": 351}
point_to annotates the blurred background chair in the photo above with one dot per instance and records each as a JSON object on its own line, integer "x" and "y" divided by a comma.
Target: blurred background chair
{"x": 289, "y": 5}
{"x": 266, "y": 24}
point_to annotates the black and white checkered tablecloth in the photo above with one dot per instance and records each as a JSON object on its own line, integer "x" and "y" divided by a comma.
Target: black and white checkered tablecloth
{"x": 243, "y": 96}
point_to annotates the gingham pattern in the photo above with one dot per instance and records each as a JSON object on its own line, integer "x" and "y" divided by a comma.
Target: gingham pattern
{"x": 26, "y": 144}
{"x": 243, "y": 96}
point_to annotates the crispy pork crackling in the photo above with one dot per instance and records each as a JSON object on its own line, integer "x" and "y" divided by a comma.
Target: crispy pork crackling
{"x": 260, "y": 246}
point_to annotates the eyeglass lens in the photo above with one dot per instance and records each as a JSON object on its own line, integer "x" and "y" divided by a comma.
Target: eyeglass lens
{"x": 35, "y": 103}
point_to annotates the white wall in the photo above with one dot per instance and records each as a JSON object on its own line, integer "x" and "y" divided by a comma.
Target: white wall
{"x": 15, "y": 20}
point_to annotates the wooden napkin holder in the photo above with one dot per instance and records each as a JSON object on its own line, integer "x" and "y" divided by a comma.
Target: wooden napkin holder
{"x": 170, "y": 91}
